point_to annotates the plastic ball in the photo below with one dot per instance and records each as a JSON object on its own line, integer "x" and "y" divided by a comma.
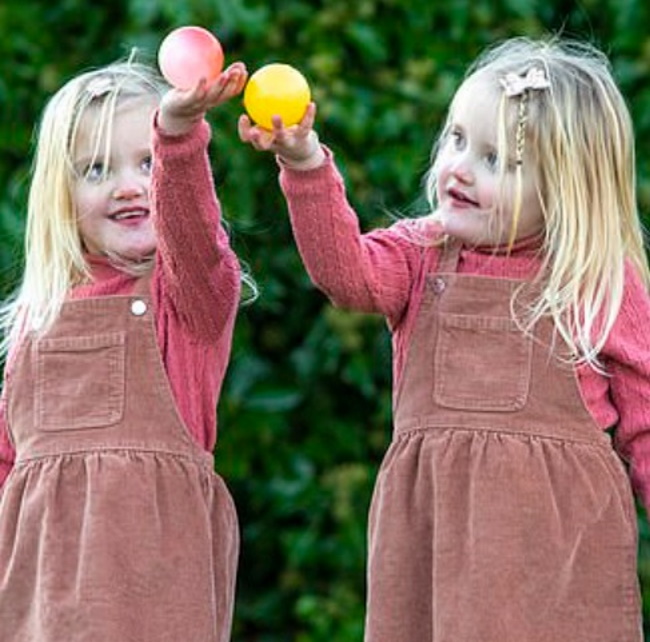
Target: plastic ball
{"x": 188, "y": 54}
{"x": 276, "y": 90}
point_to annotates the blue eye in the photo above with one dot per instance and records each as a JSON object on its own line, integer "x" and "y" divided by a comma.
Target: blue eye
{"x": 147, "y": 164}
{"x": 457, "y": 139}
{"x": 492, "y": 160}
{"x": 95, "y": 173}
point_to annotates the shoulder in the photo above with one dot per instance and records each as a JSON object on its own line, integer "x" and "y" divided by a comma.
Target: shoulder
{"x": 415, "y": 241}
{"x": 422, "y": 232}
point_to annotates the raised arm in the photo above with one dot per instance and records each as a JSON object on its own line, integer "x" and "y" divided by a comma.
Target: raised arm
{"x": 197, "y": 271}
{"x": 371, "y": 272}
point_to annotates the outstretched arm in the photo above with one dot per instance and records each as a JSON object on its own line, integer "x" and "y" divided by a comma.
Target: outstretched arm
{"x": 198, "y": 272}
{"x": 369, "y": 272}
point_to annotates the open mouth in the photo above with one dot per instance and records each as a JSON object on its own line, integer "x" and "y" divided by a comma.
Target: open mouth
{"x": 460, "y": 197}
{"x": 129, "y": 215}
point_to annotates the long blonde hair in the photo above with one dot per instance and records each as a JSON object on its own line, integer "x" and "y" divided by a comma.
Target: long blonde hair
{"x": 54, "y": 258}
{"x": 579, "y": 134}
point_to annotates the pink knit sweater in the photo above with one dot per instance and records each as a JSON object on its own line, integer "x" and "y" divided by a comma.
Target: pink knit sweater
{"x": 195, "y": 284}
{"x": 383, "y": 272}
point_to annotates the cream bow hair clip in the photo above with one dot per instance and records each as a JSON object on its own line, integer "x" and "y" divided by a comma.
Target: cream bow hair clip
{"x": 515, "y": 84}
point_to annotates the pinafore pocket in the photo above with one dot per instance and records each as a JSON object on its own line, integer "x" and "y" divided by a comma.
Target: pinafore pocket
{"x": 80, "y": 381}
{"x": 469, "y": 355}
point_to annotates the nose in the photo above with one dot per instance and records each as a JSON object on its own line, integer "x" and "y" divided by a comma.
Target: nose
{"x": 460, "y": 168}
{"x": 128, "y": 186}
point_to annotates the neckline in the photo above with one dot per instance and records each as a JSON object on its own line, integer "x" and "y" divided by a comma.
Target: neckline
{"x": 528, "y": 245}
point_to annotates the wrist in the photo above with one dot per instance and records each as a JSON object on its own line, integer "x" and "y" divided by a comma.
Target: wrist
{"x": 175, "y": 127}
{"x": 314, "y": 160}
{"x": 308, "y": 155}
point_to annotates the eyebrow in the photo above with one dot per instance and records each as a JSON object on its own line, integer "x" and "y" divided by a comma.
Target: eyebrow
{"x": 85, "y": 161}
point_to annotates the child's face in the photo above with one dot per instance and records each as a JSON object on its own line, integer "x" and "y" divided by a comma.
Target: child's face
{"x": 472, "y": 204}
{"x": 112, "y": 202}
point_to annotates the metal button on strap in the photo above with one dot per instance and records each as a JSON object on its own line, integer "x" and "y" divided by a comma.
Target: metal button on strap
{"x": 439, "y": 285}
{"x": 138, "y": 307}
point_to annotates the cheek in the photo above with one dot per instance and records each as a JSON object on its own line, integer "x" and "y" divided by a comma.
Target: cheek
{"x": 532, "y": 213}
{"x": 488, "y": 192}
{"x": 87, "y": 200}
{"x": 82, "y": 200}
{"x": 441, "y": 173}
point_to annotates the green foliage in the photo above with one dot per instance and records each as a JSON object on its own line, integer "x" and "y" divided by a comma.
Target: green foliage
{"x": 305, "y": 412}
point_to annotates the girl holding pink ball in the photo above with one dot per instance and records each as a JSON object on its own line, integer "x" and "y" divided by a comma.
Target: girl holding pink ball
{"x": 113, "y": 524}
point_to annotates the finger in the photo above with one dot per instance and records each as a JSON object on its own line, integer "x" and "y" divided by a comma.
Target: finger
{"x": 186, "y": 97}
{"x": 235, "y": 73}
{"x": 201, "y": 88}
{"x": 241, "y": 82}
{"x": 277, "y": 124}
{"x": 235, "y": 67}
{"x": 244, "y": 128}
{"x": 236, "y": 83}
{"x": 229, "y": 84}
{"x": 279, "y": 133}
{"x": 252, "y": 134}
{"x": 259, "y": 140}
{"x": 307, "y": 121}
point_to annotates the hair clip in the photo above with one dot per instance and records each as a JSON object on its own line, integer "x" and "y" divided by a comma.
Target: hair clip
{"x": 100, "y": 86}
{"x": 516, "y": 84}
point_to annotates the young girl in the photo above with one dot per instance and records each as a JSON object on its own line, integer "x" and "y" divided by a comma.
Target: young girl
{"x": 113, "y": 525}
{"x": 501, "y": 512}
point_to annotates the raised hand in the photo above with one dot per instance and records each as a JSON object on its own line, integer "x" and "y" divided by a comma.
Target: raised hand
{"x": 181, "y": 109}
{"x": 298, "y": 146}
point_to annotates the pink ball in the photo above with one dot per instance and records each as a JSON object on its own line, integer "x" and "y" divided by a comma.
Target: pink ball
{"x": 188, "y": 54}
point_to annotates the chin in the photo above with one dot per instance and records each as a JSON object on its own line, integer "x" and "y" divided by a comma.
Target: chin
{"x": 132, "y": 255}
{"x": 139, "y": 251}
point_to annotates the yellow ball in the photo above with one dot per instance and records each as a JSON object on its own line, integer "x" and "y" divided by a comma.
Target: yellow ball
{"x": 276, "y": 90}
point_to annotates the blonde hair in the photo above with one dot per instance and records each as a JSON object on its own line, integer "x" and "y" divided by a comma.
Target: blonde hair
{"x": 579, "y": 135}
{"x": 54, "y": 258}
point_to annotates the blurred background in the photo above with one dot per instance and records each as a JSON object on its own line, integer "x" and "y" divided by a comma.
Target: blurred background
{"x": 305, "y": 413}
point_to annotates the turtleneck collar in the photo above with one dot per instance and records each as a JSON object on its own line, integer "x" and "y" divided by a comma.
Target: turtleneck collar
{"x": 101, "y": 267}
{"x": 528, "y": 246}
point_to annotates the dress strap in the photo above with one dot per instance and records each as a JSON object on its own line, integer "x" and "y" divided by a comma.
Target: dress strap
{"x": 449, "y": 255}
{"x": 142, "y": 286}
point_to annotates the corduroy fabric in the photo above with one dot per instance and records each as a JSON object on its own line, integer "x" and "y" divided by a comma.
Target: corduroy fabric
{"x": 195, "y": 285}
{"x": 501, "y": 511}
{"x": 113, "y": 526}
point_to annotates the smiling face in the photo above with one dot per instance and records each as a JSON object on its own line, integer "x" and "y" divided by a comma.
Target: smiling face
{"x": 111, "y": 191}
{"x": 475, "y": 187}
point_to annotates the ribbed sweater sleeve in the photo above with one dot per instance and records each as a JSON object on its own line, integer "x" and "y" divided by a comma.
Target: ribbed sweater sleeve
{"x": 627, "y": 356}
{"x": 196, "y": 284}
{"x": 200, "y": 273}
{"x": 367, "y": 272}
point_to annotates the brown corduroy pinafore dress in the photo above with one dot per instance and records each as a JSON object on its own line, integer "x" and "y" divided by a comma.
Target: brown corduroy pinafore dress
{"x": 113, "y": 525}
{"x": 501, "y": 512}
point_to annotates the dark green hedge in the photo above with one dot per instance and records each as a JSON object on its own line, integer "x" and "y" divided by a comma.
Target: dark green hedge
{"x": 305, "y": 413}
